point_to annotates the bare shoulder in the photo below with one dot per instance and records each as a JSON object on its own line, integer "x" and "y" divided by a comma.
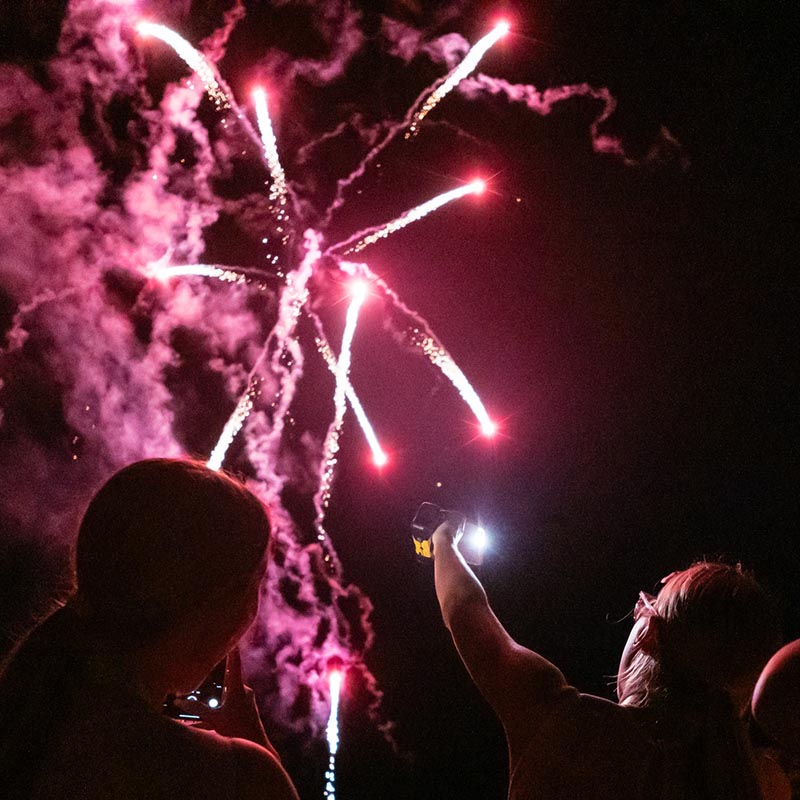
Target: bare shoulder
{"x": 259, "y": 774}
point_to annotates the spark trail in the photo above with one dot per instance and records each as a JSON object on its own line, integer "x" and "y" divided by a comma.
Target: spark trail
{"x": 221, "y": 272}
{"x": 421, "y": 107}
{"x": 279, "y": 188}
{"x": 358, "y": 241}
{"x": 193, "y": 59}
{"x": 215, "y": 87}
{"x": 379, "y": 457}
{"x": 330, "y": 449}
{"x": 332, "y": 731}
{"x": 423, "y": 338}
{"x": 470, "y": 62}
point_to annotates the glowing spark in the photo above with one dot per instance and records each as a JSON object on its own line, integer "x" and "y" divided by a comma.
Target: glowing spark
{"x": 470, "y": 62}
{"x": 330, "y": 448}
{"x": 194, "y": 59}
{"x": 277, "y": 192}
{"x": 369, "y": 236}
{"x": 440, "y": 358}
{"x": 240, "y": 275}
{"x": 332, "y": 733}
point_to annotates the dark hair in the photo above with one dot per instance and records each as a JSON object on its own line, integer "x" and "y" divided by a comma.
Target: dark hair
{"x": 161, "y": 538}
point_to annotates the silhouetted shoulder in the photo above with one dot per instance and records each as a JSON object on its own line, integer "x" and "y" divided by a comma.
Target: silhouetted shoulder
{"x": 258, "y": 774}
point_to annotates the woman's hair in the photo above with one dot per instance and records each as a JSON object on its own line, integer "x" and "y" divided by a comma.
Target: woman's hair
{"x": 712, "y": 629}
{"x": 162, "y": 538}
{"x": 715, "y": 628}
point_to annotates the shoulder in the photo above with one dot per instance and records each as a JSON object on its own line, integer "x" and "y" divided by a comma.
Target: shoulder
{"x": 571, "y": 721}
{"x": 258, "y": 773}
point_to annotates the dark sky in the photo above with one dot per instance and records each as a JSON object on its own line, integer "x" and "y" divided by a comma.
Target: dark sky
{"x": 632, "y": 325}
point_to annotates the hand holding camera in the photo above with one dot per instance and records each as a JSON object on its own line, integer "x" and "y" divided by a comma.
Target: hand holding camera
{"x": 449, "y": 526}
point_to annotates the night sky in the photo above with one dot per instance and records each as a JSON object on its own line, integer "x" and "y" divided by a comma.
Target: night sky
{"x": 628, "y": 318}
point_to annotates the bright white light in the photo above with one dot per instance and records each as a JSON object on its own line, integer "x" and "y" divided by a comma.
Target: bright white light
{"x": 479, "y": 539}
{"x": 380, "y": 459}
{"x": 213, "y": 702}
{"x": 360, "y": 290}
{"x": 478, "y": 186}
{"x": 488, "y": 428}
{"x": 502, "y": 28}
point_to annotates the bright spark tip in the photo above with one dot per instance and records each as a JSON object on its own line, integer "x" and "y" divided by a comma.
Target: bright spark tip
{"x": 478, "y": 186}
{"x": 359, "y": 290}
{"x": 489, "y": 429}
{"x": 380, "y": 459}
{"x": 503, "y": 27}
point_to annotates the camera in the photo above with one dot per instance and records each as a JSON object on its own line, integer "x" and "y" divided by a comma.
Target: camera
{"x": 428, "y": 518}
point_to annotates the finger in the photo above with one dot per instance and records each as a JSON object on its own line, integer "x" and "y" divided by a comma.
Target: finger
{"x": 233, "y": 683}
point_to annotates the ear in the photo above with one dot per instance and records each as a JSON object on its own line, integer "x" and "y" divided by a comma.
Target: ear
{"x": 648, "y": 638}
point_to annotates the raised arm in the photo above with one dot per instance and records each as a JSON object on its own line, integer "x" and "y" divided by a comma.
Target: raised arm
{"x": 519, "y": 684}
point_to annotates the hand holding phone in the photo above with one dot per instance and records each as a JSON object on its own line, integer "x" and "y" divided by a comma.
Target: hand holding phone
{"x": 237, "y": 715}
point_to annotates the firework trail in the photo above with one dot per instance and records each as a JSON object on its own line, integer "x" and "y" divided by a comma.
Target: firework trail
{"x": 279, "y": 188}
{"x": 379, "y": 457}
{"x": 369, "y": 236}
{"x": 335, "y": 681}
{"x": 330, "y": 449}
{"x": 475, "y": 54}
{"x": 194, "y": 59}
{"x": 283, "y": 350}
{"x": 422, "y": 337}
{"x": 219, "y": 92}
{"x": 427, "y": 100}
{"x": 243, "y": 276}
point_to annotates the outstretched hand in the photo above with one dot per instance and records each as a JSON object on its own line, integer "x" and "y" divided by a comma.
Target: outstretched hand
{"x": 237, "y": 715}
{"x": 449, "y": 533}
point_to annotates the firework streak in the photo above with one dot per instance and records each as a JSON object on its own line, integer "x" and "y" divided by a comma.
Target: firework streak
{"x": 332, "y": 733}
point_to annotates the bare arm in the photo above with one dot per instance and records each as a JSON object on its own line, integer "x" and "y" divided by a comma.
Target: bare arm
{"x": 516, "y": 682}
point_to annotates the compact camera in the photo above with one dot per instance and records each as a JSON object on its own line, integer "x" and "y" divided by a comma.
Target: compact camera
{"x": 428, "y": 518}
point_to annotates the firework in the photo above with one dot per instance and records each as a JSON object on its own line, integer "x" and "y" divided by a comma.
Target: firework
{"x": 358, "y": 241}
{"x": 193, "y": 59}
{"x": 279, "y": 188}
{"x": 469, "y": 63}
{"x": 330, "y": 448}
{"x": 335, "y": 680}
{"x": 379, "y": 457}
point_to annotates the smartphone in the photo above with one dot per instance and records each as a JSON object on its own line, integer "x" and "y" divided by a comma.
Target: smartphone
{"x": 208, "y": 694}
